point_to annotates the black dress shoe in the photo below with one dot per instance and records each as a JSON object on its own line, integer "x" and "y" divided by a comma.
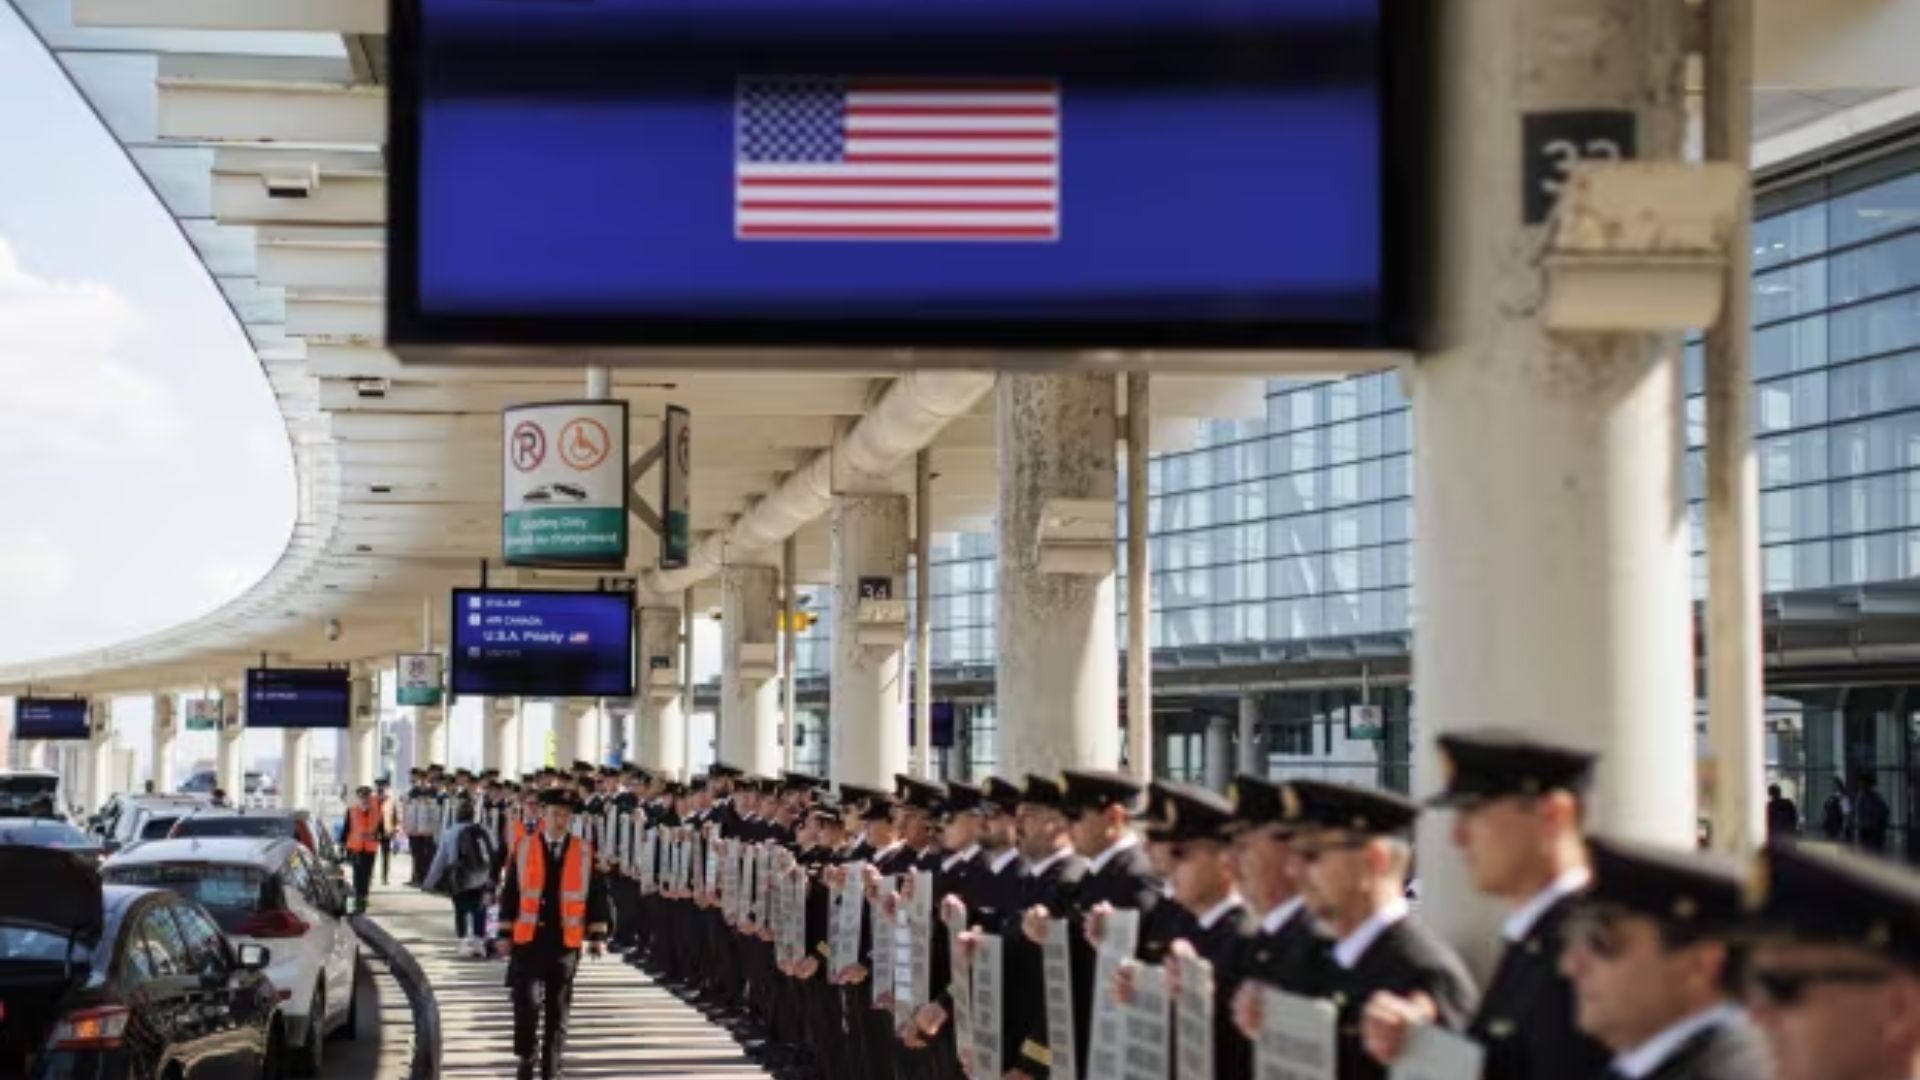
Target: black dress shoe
{"x": 525, "y": 1069}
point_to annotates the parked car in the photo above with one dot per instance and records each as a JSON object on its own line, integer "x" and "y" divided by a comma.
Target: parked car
{"x": 269, "y": 892}
{"x": 300, "y": 825}
{"x": 203, "y": 781}
{"x": 55, "y": 833}
{"x": 30, "y": 791}
{"x": 124, "y": 819}
{"x": 123, "y": 982}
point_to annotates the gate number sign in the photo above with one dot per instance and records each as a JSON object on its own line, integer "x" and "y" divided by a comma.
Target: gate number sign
{"x": 1554, "y": 142}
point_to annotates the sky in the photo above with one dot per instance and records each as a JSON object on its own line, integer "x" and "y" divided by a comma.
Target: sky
{"x": 144, "y": 469}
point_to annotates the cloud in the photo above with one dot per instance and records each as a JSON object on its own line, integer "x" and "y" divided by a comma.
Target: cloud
{"x": 70, "y": 391}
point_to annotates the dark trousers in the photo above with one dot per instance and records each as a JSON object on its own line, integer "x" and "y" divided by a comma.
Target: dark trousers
{"x": 542, "y": 987}
{"x": 422, "y": 848}
{"x": 386, "y": 855}
{"x": 470, "y": 914}
{"x": 362, "y": 874}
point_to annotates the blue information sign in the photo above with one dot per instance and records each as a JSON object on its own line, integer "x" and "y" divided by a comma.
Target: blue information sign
{"x": 1115, "y": 173}
{"x": 519, "y": 642}
{"x": 50, "y": 718}
{"x": 298, "y": 698}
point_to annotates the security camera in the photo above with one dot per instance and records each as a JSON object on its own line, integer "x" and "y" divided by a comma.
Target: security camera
{"x": 333, "y": 629}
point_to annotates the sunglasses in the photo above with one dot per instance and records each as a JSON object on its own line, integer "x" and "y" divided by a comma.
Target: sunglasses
{"x": 1597, "y": 930}
{"x": 1783, "y": 988}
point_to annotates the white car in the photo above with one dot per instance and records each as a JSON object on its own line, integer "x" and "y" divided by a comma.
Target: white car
{"x": 125, "y": 818}
{"x": 269, "y": 891}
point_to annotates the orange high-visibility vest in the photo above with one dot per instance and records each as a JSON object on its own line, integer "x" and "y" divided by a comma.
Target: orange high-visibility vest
{"x": 361, "y": 826}
{"x": 517, "y": 830}
{"x": 530, "y": 862}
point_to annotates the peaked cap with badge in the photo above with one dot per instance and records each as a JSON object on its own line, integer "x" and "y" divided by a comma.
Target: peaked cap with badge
{"x": 1494, "y": 763}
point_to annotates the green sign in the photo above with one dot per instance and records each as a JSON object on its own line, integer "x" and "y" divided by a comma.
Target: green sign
{"x": 564, "y": 484}
{"x": 203, "y": 714}
{"x": 676, "y": 489}
{"x": 418, "y": 681}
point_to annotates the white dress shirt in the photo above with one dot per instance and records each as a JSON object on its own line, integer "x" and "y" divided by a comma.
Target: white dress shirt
{"x": 1520, "y": 923}
{"x": 1348, "y": 950}
{"x": 1001, "y": 860}
{"x": 947, "y": 864}
{"x": 1272, "y": 921}
{"x": 1642, "y": 1060}
{"x": 1232, "y": 902}
{"x": 1112, "y": 851}
{"x": 1041, "y": 867}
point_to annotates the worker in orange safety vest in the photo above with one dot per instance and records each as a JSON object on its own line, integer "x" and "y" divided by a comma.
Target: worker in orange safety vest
{"x": 552, "y": 905}
{"x": 362, "y": 841}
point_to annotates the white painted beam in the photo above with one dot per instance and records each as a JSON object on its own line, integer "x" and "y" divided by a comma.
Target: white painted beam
{"x": 324, "y": 266}
{"x": 1849, "y": 43}
{"x": 772, "y": 395}
{"x": 337, "y": 198}
{"x": 207, "y": 110}
{"x": 324, "y": 16}
{"x": 335, "y": 316}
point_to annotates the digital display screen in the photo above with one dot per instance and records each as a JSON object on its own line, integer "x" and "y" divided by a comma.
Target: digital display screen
{"x": 298, "y": 698}
{"x": 520, "y": 642}
{"x": 50, "y": 718}
{"x": 1094, "y": 172}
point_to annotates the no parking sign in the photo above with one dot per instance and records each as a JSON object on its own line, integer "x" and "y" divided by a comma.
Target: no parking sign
{"x": 563, "y": 484}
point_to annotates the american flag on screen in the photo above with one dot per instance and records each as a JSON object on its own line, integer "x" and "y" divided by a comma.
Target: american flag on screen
{"x": 897, "y": 159}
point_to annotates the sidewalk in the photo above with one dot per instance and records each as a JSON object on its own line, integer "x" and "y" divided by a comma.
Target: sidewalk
{"x": 624, "y": 1024}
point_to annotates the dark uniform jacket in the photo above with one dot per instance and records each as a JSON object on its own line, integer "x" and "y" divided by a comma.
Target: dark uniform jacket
{"x": 1730, "y": 1050}
{"x": 1023, "y": 1024}
{"x": 1526, "y": 1020}
{"x": 548, "y": 944}
{"x": 1405, "y": 959}
{"x": 1220, "y": 945}
{"x": 1292, "y": 957}
{"x": 1126, "y": 882}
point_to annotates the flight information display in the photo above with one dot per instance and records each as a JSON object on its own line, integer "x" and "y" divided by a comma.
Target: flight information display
{"x": 50, "y": 718}
{"x": 298, "y": 698}
{"x": 1101, "y": 173}
{"x": 532, "y": 643}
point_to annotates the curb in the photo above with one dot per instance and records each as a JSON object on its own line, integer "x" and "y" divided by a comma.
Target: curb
{"x": 413, "y": 981}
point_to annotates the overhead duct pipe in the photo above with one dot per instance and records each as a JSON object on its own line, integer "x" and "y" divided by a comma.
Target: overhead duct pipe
{"x": 912, "y": 412}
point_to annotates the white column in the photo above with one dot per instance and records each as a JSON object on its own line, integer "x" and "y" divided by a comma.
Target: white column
{"x": 33, "y": 754}
{"x": 166, "y": 726}
{"x": 500, "y": 736}
{"x": 1252, "y": 757}
{"x": 1139, "y": 580}
{"x": 662, "y": 734}
{"x": 1219, "y": 752}
{"x": 363, "y": 734}
{"x": 296, "y": 767}
{"x": 99, "y": 759}
{"x": 1552, "y": 562}
{"x": 867, "y": 722}
{"x": 1056, "y": 669}
{"x": 749, "y": 692}
{"x": 576, "y": 726}
{"x": 230, "y": 769}
{"x": 430, "y": 735}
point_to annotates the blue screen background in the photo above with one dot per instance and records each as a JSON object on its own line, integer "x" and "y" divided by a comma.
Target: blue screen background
{"x": 483, "y": 662}
{"x": 297, "y": 698}
{"x": 1233, "y": 200}
{"x": 49, "y": 718}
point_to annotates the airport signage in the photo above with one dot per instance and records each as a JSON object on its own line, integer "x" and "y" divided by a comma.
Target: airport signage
{"x": 831, "y": 183}
{"x": 50, "y": 718}
{"x": 564, "y": 484}
{"x": 418, "y": 679}
{"x": 534, "y": 643}
{"x": 203, "y": 714}
{"x": 676, "y": 489}
{"x": 298, "y": 698}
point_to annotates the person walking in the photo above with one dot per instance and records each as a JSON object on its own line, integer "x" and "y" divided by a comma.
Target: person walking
{"x": 1836, "y": 815}
{"x": 1870, "y": 815}
{"x": 384, "y": 802}
{"x": 463, "y": 869}
{"x": 361, "y": 839}
{"x": 1783, "y": 817}
{"x": 557, "y": 906}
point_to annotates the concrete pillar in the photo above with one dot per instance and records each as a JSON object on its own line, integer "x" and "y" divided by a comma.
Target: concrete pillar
{"x": 430, "y": 735}
{"x": 33, "y": 754}
{"x": 1056, "y": 672}
{"x": 364, "y": 758}
{"x": 296, "y": 768}
{"x": 166, "y": 726}
{"x": 500, "y": 736}
{"x": 1252, "y": 756}
{"x": 230, "y": 762}
{"x": 1552, "y": 563}
{"x": 661, "y": 720}
{"x": 749, "y": 691}
{"x": 99, "y": 756}
{"x": 576, "y": 726}
{"x": 867, "y": 732}
{"x": 1220, "y": 760}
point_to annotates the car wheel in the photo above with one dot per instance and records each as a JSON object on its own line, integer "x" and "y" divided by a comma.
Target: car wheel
{"x": 351, "y": 1029}
{"x": 270, "y": 1064}
{"x": 311, "y": 1056}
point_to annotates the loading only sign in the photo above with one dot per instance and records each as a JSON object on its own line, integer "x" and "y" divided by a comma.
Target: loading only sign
{"x": 563, "y": 484}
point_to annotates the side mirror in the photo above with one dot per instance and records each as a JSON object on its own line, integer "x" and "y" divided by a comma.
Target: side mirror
{"x": 251, "y": 957}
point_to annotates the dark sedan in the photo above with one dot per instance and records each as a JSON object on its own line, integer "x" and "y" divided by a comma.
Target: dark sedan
{"x": 124, "y": 983}
{"x": 50, "y": 833}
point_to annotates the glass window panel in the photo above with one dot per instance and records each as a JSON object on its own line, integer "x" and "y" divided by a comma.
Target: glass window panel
{"x": 1876, "y": 386}
{"x": 1298, "y": 535}
{"x": 1876, "y": 269}
{"x": 1792, "y": 514}
{"x": 1396, "y": 609}
{"x": 1373, "y": 393}
{"x": 1372, "y": 479}
{"x": 1812, "y": 565}
{"x": 1693, "y": 361}
{"x": 1789, "y": 403}
{"x": 1396, "y": 477}
{"x": 1784, "y": 348}
{"x": 1696, "y": 409}
{"x": 1876, "y": 327}
{"x": 1697, "y": 526}
{"x": 1397, "y": 432}
{"x": 1880, "y": 557}
{"x": 1343, "y": 485}
{"x": 1871, "y": 503}
{"x": 1396, "y": 565}
{"x": 1888, "y": 442}
{"x": 1305, "y": 408}
{"x": 1343, "y": 570}
{"x": 1793, "y": 290}
{"x": 1788, "y": 459}
{"x": 1792, "y": 235}
{"x": 1397, "y": 520}
{"x": 1343, "y": 443}
{"x": 1696, "y": 475}
{"x": 1343, "y": 400}
{"x": 1294, "y": 492}
{"x": 1882, "y": 208}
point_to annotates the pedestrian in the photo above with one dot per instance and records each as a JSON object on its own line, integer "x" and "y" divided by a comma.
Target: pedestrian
{"x": 558, "y": 906}
{"x": 1870, "y": 815}
{"x": 1837, "y": 813}
{"x": 463, "y": 869}
{"x": 1834, "y": 982}
{"x": 1783, "y": 817}
{"x": 220, "y": 798}
{"x": 1653, "y": 964}
{"x": 360, "y": 836}
{"x": 384, "y": 802}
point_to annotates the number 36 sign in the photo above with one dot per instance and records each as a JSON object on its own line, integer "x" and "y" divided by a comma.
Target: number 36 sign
{"x": 1554, "y": 142}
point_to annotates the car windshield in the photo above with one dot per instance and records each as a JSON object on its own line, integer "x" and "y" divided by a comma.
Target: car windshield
{"x": 157, "y": 828}
{"x": 21, "y": 945}
{"x": 229, "y": 893}
{"x": 19, "y": 793}
{"x": 235, "y": 826}
{"x": 52, "y": 834}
